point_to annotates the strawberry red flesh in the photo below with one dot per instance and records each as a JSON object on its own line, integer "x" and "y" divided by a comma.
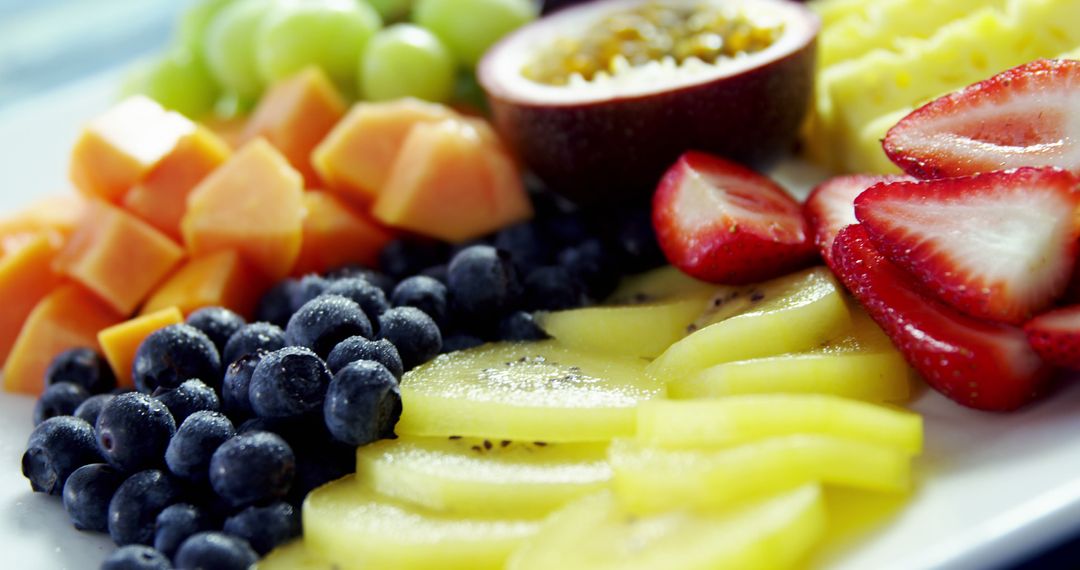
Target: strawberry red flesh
{"x": 1056, "y": 336}
{"x": 982, "y": 365}
{"x": 999, "y": 246}
{"x": 1026, "y": 116}
{"x": 830, "y": 207}
{"x": 719, "y": 221}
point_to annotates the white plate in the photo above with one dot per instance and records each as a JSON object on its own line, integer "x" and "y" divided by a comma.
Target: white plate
{"x": 992, "y": 488}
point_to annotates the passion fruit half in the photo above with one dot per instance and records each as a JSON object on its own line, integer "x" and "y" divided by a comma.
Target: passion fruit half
{"x": 600, "y": 98}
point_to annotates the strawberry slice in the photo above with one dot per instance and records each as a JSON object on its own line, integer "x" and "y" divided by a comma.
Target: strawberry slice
{"x": 987, "y": 366}
{"x": 1026, "y": 116}
{"x": 1056, "y": 336}
{"x": 719, "y": 221}
{"x": 830, "y": 207}
{"x": 998, "y": 246}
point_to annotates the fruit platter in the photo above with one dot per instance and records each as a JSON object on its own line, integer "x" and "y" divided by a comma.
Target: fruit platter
{"x": 521, "y": 284}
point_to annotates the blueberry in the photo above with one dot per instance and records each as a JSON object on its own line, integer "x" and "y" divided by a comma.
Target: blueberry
{"x": 359, "y": 348}
{"x": 325, "y": 321}
{"x": 91, "y": 407}
{"x": 218, "y": 323}
{"x": 380, "y": 280}
{"x": 251, "y": 339}
{"x": 525, "y": 244}
{"x": 251, "y": 468}
{"x": 288, "y": 382}
{"x": 370, "y": 298}
{"x": 57, "y": 447}
{"x": 460, "y": 341}
{"x": 637, "y": 248}
{"x": 189, "y": 452}
{"x": 413, "y": 332}
{"x": 234, "y": 388}
{"x": 216, "y": 551}
{"x": 187, "y": 398}
{"x": 133, "y": 431}
{"x": 175, "y": 524}
{"x": 87, "y": 493}
{"x": 482, "y": 283}
{"x": 309, "y": 287}
{"x": 136, "y": 504}
{"x": 84, "y": 367}
{"x": 59, "y": 399}
{"x": 136, "y": 557}
{"x": 265, "y": 527}
{"x": 552, "y": 288}
{"x": 520, "y": 325}
{"x": 591, "y": 264}
{"x": 424, "y": 293}
{"x": 363, "y": 403}
{"x": 404, "y": 257}
{"x": 173, "y": 354}
{"x": 436, "y": 272}
{"x": 564, "y": 229}
{"x": 275, "y": 306}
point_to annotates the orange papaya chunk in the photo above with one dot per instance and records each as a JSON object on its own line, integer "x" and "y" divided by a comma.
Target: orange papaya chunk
{"x": 26, "y": 276}
{"x": 220, "y": 279}
{"x": 253, "y": 204}
{"x": 354, "y": 160}
{"x": 161, "y": 198}
{"x": 117, "y": 256}
{"x": 57, "y": 215}
{"x": 120, "y": 341}
{"x": 295, "y": 115}
{"x": 117, "y": 149}
{"x": 336, "y": 235}
{"x": 450, "y": 182}
{"x": 228, "y": 129}
{"x": 69, "y": 317}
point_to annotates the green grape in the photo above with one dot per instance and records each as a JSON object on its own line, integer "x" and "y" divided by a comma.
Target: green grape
{"x": 392, "y": 10}
{"x": 194, "y": 21}
{"x": 470, "y": 27}
{"x": 406, "y": 61}
{"x": 229, "y": 46}
{"x": 180, "y": 81}
{"x": 328, "y": 33}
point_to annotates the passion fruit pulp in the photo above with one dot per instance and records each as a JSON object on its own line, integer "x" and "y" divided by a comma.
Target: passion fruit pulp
{"x": 600, "y": 98}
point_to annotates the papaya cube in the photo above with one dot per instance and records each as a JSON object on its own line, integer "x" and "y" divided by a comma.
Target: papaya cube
{"x": 228, "y": 129}
{"x": 26, "y": 276}
{"x": 56, "y": 215}
{"x": 253, "y": 204}
{"x": 120, "y": 341}
{"x": 117, "y": 256}
{"x": 451, "y": 181}
{"x": 69, "y": 317}
{"x": 220, "y": 279}
{"x": 118, "y": 148}
{"x": 354, "y": 160}
{"x": 336, "y": 235}
{"x": 295, "y": 115}
{"x": 161, "y": 197}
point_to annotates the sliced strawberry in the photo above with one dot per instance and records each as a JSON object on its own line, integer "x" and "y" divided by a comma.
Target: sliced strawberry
{"x": 830, "y": 207}
{"x": 719, "y": 221}
{"x": 1026, "y": 116}
{"x": 999, "y": 246}
{"x": 982, "y": 365}
{"x": 1056, "y": 336}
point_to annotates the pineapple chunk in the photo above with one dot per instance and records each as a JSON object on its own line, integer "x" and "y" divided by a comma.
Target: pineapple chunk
{"x": 674, "y": 424}
{"x": 792, "y": 313}
{"x": 527, "y": 392}
{"x": 650, "y": 480}
{"x": 659, "y": 284}
{"x": 356, "y": 529}
{"x": 834, "y": 11}
{"x": 634, "y": 330}
{"x": 293, "y": 556}
{"x": 594, "y": 533}
{"x": 474, "y": 477}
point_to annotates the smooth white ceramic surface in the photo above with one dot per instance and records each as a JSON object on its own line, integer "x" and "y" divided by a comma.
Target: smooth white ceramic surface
{"x": 992, "y": 488}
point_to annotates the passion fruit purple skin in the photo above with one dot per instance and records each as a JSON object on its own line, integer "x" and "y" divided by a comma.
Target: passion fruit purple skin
{"x": 616, "y": 146}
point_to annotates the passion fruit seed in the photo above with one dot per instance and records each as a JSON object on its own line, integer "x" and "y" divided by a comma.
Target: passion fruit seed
{"x": 652, "y": 32}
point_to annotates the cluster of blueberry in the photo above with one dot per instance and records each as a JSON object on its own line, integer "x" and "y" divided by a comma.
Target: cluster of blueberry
{"x": 231, "y": 423}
